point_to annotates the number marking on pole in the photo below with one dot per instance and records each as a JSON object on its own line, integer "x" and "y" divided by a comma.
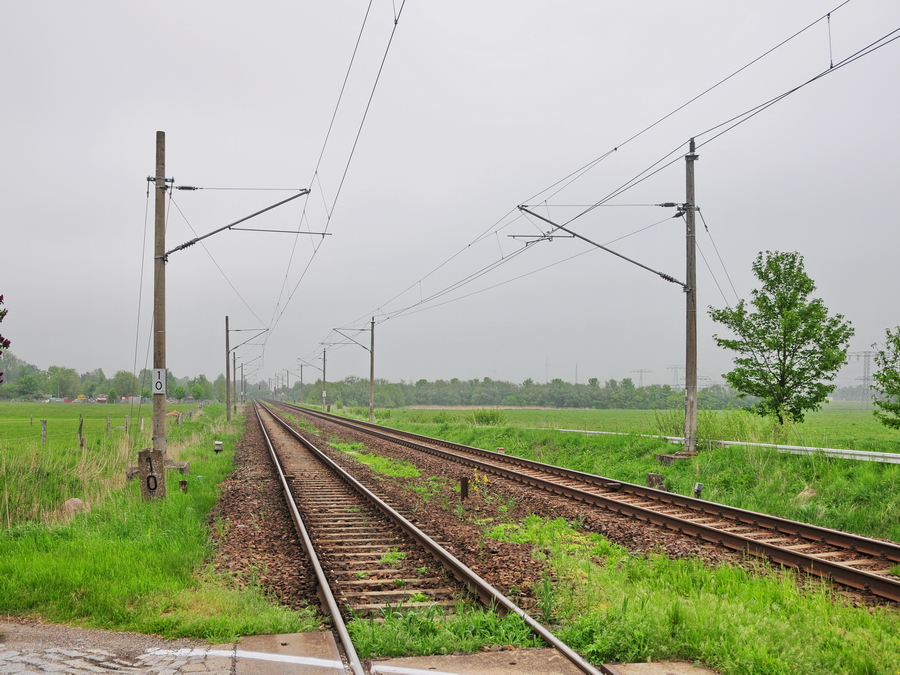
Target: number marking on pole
{"x": 159, "y": 381}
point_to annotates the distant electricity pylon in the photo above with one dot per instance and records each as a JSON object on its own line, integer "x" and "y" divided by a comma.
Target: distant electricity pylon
{"x": 675, "y": 378}
{"x": 866, "y": 379}
{"x": 641, "y": 372}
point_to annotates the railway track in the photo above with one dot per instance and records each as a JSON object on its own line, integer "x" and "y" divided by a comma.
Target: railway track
{"x": 365, "y": 554}
{"x": 852, "y": 560}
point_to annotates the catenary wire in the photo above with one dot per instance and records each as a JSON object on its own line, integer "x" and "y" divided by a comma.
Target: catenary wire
{"x": 738, "y": 119}
{"x": 540, "y": 269}
{"x": 211, "y": 257}
{"x": 584, "y": 169}
{"x": 330, "y": 211}
{"x": 639, "y": 177}
{"x": 567, "y": 180}
{"x": 719, "y": 255}
{"x": 417, "y": 307}
{"x": 752, "y": 112}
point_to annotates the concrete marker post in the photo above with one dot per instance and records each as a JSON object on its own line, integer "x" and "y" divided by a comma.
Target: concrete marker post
{"x": 152, "y": 474}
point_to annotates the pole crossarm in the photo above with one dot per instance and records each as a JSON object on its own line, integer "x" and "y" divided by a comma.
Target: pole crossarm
{"x": 352, "y": 340}
{"x": 193, "y": 241}
{"x": 306, "y": 363}
{"x": 259, "y": 331}
{"x": 557, "y": 226}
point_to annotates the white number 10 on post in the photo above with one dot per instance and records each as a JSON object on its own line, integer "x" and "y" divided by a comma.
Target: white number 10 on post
{"x": 159, "y": 381}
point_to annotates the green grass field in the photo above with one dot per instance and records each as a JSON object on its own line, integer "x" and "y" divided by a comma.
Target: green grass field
{"x": 37, "y": 476}
{"x": 126, "y": 564}
{"x": 842, "y": 424}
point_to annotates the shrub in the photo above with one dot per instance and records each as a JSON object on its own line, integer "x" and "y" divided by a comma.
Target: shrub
{"x": 488, "y": 417}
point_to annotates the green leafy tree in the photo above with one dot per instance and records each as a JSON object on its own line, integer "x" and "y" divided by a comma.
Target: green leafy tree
{"x": 62, "y": 381}
{"x": 201, "y": 388}
{"x": 179, "y": 393}
{"x": 219, "y": 389}
{"x": 125, "y": 383}
{"x": 28, "y": 386}
{"x": 789, "y": 346}
{"x": 887, "y": 379}
{"x": 96, "y": 376}
{"x": 112, "y": 396}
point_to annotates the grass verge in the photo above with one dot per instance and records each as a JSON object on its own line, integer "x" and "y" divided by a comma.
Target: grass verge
{"x": 613, "y": 606}
{"x": 856, "y": 496}
{"x": 136, "y": 566}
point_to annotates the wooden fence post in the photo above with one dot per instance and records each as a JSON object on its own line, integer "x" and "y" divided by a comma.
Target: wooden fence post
{"x": 43, "y": 432}
{"x": 107, "y": 426}
{"x": 81, "y": 430}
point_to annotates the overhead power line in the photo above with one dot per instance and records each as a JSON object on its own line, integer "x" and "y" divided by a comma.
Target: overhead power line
{"x": 659, "y": 165}
{"x": 590, "y": 165}
{"x": 276, "y": 316}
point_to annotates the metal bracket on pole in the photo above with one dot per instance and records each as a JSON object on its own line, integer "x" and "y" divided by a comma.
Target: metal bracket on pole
{"x": 185, "y": 245}
{"x": 661, "y": 275}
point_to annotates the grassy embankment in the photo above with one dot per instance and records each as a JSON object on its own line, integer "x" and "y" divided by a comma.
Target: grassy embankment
{"x": 125, "y": 564}
{"x": 611, "y": 605}
{"x": 860, "y": 497}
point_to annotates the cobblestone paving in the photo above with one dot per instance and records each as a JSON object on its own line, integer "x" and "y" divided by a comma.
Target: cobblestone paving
{"x": 218, "y": 661}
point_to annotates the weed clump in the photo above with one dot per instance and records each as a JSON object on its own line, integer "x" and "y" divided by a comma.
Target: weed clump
{"x": 486, "y": 417}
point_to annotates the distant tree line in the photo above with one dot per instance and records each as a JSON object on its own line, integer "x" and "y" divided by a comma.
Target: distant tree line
{"x": 353, "y": 392}
{"x": 27, "y": 382}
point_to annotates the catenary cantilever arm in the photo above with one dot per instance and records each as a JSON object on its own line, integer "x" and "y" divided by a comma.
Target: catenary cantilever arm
{"x": 302, "y": 192}
{"x": 608, "y": 250}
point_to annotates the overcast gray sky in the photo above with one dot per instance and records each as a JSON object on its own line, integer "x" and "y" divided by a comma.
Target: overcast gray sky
{"x": 479, "y": 107}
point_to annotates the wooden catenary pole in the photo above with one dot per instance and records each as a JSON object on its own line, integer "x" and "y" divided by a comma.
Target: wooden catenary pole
{"x": 227, "y": 375}
{"x": 690, "y": 363}
{"x": 159, "y": 307}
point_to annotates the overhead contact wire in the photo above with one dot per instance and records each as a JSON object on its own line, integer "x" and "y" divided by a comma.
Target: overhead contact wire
{"x": 350, "y": 157}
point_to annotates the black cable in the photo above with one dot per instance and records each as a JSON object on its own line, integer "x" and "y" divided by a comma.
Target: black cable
{"x": 753, "y": 112}
{"x": 567, "y": 180}
{"x": 593, "y": 163}
{"x": 137, "y": 328}
{"x": 721, "y": 262}
{"x": 712, "y": 274}
{"x": 330, "y": 211}
{"x": 491, "y": 267}
{"x": 337, "y": 104}
{"x": 218, "y": 267}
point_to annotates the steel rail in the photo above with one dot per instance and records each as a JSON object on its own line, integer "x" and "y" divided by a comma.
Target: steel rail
{"x": 844, "y": 574}
{"x": 323, "y": 590}
{"x": 489, "y": 596}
